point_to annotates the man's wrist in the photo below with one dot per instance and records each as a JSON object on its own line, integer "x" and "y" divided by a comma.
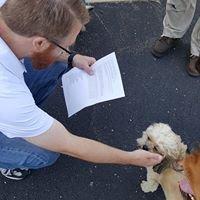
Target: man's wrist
{"x": 125, "y": 158}
{"x": 132, "y": 158}
{"x": 70, "y": 60}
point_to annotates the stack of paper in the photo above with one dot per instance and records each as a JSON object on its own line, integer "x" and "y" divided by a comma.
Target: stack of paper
{"x": 82, "y": 90}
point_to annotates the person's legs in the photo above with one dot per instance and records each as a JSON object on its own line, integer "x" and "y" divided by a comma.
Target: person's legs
{"x": 16, "y": 153}
{"x": 179, "y": 14}
{"x": 17, "y": 157}
{"x": 195, "y": 39}
{"x": 194, "y": 65}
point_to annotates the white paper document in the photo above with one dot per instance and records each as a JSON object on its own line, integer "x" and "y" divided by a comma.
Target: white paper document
{"x": 82, "y": 90}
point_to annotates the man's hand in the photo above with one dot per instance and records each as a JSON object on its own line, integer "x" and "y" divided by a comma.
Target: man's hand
{"x": 84, "y": 62}
{"x": 145, "y": 159}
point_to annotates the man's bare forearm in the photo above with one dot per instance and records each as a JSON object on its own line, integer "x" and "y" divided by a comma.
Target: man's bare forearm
{"x": 97, "y": 152}
{"x": 58, "y": 139}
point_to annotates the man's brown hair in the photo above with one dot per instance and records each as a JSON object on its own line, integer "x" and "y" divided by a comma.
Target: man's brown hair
{"x": 52, "y": 19}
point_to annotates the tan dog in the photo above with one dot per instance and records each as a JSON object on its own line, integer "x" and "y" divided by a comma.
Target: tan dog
{"x": 191, "y": 165}
{"x": 161, "y": 139}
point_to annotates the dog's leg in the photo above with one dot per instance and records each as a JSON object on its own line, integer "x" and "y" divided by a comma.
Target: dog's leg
{"x": 152, "y": 182}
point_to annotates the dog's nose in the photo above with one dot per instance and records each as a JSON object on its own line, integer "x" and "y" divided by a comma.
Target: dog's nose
{"x": 145, "y": 147}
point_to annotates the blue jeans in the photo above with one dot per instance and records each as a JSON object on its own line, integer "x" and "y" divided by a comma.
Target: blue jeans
{"x": 16, "y": 152}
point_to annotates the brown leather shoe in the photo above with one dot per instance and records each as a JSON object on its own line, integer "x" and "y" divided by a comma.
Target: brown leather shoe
{"x": 163, "y": 45}
{"x": 193, "y": 68}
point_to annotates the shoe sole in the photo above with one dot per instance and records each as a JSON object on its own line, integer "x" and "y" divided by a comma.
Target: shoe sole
{"x": 158, "y": 55}
{"x": 13, "y": 178}
{"x": 192, "y": 74}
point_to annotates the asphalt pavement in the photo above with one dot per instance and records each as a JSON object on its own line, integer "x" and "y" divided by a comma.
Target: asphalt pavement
{"x": 157, "y": 90}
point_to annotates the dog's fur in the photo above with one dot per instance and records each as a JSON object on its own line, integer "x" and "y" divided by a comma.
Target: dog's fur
{"x": 159, "y": 138}
{"x": 191, "y": 165}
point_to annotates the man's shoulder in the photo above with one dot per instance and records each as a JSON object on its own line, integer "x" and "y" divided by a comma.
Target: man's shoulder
{"x": 9, "y": 81}
{"x": 9, "y": 62}
{"x": 13, "y": 91}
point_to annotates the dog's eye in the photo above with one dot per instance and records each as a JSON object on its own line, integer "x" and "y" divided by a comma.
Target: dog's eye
{"x": 148, "y": 138}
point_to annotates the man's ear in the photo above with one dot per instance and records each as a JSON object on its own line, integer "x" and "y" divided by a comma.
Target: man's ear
{"x": 40, "y": 44}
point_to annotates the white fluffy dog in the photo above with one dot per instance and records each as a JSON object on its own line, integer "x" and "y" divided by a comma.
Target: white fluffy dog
{"x": 159, "y": 138}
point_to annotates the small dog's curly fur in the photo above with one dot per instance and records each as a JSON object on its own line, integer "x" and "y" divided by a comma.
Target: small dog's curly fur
{"x": 159, "y": 138}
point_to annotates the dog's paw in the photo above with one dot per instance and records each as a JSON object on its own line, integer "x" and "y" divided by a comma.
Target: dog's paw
{"x": 149, "y": 186}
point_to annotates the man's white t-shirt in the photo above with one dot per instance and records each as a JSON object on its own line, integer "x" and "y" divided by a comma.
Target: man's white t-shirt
{"x": 19, "y": 115}
{"x": 2, "y": 2}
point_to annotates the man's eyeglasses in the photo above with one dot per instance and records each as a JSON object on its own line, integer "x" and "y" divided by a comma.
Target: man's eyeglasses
{"x": 64, "y": 49}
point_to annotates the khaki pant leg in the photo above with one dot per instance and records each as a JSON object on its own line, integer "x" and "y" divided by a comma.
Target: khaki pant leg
{"x": 195, "y": 39}
{"x": 179, "y": 14}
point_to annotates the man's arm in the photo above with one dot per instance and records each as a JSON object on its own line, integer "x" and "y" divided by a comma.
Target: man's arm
{"x": 58, "y": 139}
